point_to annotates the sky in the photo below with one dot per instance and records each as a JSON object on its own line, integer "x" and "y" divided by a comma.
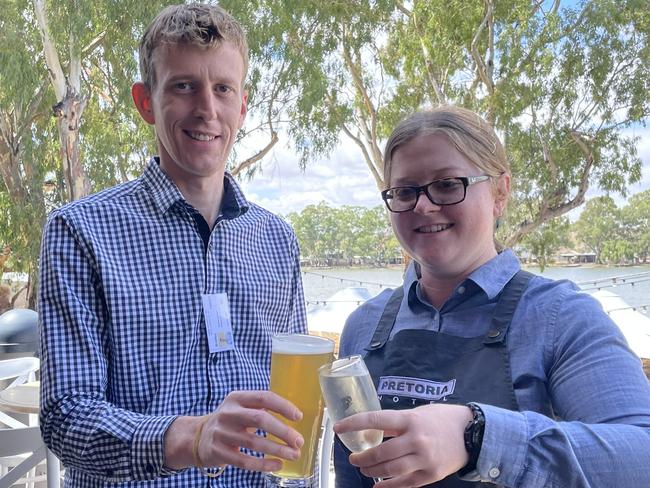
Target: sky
{"x": 344, "y": 179}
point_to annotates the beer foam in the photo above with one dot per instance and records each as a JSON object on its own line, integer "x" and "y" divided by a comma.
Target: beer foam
{"x": 301, "y": 344}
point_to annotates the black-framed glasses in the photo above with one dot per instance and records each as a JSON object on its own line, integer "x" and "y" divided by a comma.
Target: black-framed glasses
{"x": 445, "y": 191}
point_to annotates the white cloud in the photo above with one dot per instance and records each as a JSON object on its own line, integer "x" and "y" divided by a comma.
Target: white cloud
{"x": 343, "y": 178}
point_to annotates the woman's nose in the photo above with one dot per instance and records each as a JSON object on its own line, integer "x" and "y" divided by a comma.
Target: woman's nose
{"x": 424, "y": 205}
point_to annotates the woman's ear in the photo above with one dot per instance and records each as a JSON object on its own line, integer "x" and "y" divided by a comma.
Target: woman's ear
{"x": 142, "y": 99}
{"x": 501, "y": 193}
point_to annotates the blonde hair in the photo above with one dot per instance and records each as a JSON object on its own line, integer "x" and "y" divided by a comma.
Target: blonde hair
{"x": 198, "y": 24}
{"x": 472, "y": 136}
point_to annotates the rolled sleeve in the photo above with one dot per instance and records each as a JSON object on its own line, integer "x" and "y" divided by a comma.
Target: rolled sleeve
{"x": 147, "y": 448}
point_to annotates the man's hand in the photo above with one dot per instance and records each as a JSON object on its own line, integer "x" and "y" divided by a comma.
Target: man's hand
{"x": 233, "y": 426}
{"x": 426, "y": 446}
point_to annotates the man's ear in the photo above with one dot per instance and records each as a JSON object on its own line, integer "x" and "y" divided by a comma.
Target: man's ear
{"x": 244, "y": 108}
{"x": 142, "y": 99}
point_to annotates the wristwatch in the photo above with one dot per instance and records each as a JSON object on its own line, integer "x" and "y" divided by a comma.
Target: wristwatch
{"x": 473, "y": 438}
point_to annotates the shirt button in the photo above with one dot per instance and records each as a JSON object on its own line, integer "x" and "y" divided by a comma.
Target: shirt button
{"x": 149, "y": 468}
{"x": 461, "y": 290}
{"x": 494, "y": 473}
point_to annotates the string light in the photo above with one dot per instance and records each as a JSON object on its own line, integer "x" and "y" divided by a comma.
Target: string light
{"x": 588, "y": 285}
{"x": 349, "y": 280}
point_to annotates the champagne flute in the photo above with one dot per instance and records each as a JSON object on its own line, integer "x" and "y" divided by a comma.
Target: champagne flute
{"x": 347, "y": 390}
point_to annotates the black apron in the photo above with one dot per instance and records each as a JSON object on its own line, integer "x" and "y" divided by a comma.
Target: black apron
{"x": 418, "y": 367}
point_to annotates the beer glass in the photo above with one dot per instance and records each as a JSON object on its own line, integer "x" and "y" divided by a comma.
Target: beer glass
{"x": 348, "y": 389}
{"x": 295, "y": 361}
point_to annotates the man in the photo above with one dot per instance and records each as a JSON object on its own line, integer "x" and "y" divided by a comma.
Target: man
{"x": 159, "y": 296}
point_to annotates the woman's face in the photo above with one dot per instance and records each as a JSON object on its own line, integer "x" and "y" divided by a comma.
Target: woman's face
{"x": 450, "y": 241}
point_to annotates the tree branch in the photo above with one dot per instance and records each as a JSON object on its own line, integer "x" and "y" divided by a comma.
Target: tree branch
{"x": 49, "y": 50}
{"x": 257, "y": 157}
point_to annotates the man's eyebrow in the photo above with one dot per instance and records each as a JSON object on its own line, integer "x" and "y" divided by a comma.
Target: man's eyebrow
{"x": 177, "y": 78}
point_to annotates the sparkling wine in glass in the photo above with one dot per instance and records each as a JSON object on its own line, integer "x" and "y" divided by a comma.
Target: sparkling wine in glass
{"x": 347, "y": 390}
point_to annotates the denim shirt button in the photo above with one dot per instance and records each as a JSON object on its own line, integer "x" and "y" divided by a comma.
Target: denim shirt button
{"x": 494, "y": 473}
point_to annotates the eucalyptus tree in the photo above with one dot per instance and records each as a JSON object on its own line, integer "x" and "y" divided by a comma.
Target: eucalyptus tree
{"x": 88, "y": 50}
{"x": 66, "y": 126}
{"x": 636, "y": 221}
{"x": 25, "y": 150}
{"x": 599, "y": 223}
{"x": 558, "y": 80}
{"x": 544, "y": 241}
{"x": 318, "y": 229}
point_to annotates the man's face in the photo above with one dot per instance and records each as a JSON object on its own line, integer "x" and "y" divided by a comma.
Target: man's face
{"x": 197, "y": 107}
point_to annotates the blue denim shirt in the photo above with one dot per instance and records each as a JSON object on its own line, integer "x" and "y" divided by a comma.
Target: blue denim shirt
{"x": 563, "y": 347}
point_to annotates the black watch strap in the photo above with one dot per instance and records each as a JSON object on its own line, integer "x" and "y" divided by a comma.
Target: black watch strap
{"x": 473, "y": 438}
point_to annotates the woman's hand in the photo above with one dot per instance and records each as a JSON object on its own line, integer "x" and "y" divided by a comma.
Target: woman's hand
{"x": 426, "y": 444}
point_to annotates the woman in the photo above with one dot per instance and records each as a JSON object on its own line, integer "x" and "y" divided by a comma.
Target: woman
{"x": 486, "y": 373}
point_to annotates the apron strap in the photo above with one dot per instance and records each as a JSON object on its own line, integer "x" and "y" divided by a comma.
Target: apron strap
{"x": 506, "y": 306}
{"x": 387, "y": 320}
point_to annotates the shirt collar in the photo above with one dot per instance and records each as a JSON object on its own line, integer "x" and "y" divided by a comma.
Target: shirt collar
{"x": 491, "y": 277}
{"x": 165, "y": 193}
{"x": 161, "y": 188}
{"x": 234, "y": 202}
{"x": 495, "y": 274}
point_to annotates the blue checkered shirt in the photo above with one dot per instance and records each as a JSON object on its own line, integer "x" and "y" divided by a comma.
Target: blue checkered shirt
{"x": 123, "y": 339}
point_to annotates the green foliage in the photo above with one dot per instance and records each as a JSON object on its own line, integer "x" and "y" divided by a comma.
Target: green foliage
{"x": 636, "y": 224}
{"x": 617, "y": 251}
{"x": 345, "y": 233}
{"x": 599, "y": 223}
{"x": 558, "y": 84}
{"x": 543, "y": 243}
{"x": 112, "y": 140}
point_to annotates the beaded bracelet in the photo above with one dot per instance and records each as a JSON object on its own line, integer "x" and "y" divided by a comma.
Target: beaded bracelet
{"x": 197, "y": 458}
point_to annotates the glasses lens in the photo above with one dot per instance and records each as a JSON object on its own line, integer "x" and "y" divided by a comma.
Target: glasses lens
{"x": 401, "y": 198}
{"x": 447, "y": 191}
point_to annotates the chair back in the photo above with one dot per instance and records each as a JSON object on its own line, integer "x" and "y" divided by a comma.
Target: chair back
{"x": 21, "y": 370}
{"x": 23, "y": 440}
{"x": 20, "y": 440}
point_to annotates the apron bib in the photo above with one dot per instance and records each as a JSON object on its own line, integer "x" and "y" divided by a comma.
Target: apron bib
{"x": 418, "y": 367}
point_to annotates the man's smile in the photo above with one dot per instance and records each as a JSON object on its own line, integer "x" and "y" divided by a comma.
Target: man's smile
{"x": 200, "y": 136}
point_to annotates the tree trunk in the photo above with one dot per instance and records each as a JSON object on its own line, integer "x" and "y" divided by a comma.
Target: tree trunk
{"x": 68, "y": 113}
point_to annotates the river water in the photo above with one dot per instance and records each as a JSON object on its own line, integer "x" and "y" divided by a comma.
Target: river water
{"x": 320, "y": 284}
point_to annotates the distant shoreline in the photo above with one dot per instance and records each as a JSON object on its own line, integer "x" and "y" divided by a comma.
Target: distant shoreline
{"x": 524, "y": 265}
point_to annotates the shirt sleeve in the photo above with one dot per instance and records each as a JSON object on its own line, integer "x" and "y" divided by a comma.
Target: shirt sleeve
{"x": 297, "y": 312}
{"x": 78, "y": 423}
{"x": 601, "y": 401}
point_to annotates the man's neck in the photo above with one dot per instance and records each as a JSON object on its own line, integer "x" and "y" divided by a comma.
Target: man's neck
{"x": 204, "y": 194}
{"x": 206, "y": 199}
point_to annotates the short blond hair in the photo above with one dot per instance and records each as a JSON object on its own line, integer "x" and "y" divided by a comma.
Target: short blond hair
{"x": 197, "y": 24}
{"x": 472, "y": 136}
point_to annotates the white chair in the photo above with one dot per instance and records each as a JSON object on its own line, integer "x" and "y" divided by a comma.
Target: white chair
{"x": 21, "y": 446}
{"x": 21, "y": 451}
{"x": 20, "y": 370}
{"x": 325, "y": 447}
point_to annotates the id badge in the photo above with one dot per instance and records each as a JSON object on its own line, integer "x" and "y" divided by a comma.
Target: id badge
{"x": 217, "y": 322}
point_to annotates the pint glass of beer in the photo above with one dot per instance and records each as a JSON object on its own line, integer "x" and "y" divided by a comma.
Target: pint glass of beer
{"x": 294, "y": 375}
